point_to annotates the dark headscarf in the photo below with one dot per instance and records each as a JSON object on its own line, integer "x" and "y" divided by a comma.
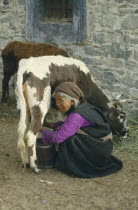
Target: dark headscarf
{"x": 70, "y": 89}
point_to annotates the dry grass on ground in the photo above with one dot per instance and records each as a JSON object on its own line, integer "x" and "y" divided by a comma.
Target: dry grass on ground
{"x": 52, "y": 190}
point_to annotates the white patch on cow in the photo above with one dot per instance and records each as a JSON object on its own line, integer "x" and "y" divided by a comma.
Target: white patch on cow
{"x": 31, "y": 96}
{"x": 40, "y": 65}
{"x": 45, "y": 103}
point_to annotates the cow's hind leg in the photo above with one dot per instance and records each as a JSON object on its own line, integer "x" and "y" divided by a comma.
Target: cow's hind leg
{"x": 22, "y": 130}
{"x": 30, "y": 138}
{"x": 5, "y": 88}
{"x": 38, "y": 113}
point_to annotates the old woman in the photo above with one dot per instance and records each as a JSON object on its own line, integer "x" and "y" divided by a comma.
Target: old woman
{"x": 84, "y": 138}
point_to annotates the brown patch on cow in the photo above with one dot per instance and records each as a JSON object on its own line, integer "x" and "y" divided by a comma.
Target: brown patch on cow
{"x": 25, "y": 96}
{"x": 39, "y": 84}
{"x": 70, "y": 73}
{"x": 73, "y": 73}
{"x": 26, "y": 140}
{"x": 36, "y": 121}
{"x": 30, "y": 150}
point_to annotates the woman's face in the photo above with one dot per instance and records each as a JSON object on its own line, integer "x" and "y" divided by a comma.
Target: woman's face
{"x": 63, "y": 105}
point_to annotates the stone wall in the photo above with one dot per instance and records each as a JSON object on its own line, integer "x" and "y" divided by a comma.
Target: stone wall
{"x": 110, "y": 50}
{"x": 12, "y": 24}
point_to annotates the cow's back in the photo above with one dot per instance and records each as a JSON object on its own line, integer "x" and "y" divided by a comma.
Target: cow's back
{"x": 58, "y": 69}
{"x": 27, "y": 50}
{"x": 17, "y": 50}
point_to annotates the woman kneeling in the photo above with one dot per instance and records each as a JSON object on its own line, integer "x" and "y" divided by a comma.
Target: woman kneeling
{"x": 84, "y": 138}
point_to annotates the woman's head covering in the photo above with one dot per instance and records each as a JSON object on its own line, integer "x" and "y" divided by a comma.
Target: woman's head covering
{"x": 70, "y": 89}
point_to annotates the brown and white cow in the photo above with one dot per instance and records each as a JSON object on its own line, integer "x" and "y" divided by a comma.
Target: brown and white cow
{"x": 36, "y": 80}
{"x": 15, "y": 51}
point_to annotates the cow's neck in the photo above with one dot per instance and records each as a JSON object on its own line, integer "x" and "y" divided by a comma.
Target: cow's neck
{"x": 98, "y": 97}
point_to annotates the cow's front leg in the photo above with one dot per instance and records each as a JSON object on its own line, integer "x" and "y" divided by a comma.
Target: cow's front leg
{"x": 31, "y": 146}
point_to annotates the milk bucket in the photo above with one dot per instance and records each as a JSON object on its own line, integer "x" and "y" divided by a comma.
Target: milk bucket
{"x": 45, "y": 154}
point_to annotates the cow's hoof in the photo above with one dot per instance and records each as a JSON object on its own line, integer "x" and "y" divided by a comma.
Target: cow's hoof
{"x": 37, "y": 170}
{"x": 27, "y": 165}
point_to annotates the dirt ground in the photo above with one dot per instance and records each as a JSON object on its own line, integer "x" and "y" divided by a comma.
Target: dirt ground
{"x": 52, "y": 190}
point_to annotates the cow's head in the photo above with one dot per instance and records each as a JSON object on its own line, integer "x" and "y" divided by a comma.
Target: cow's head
{"x": 117, "y": 118}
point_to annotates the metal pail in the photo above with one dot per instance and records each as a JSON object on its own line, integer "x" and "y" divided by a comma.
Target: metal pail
{"x": 45, "y": 154}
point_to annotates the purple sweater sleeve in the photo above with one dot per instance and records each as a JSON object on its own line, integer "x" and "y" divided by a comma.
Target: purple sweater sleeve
{"x": 57, "y": 124}
{"x": 69, "y": 128}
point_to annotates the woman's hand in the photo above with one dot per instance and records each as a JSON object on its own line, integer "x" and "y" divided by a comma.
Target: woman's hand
{"x": 41, "y": 130}
{"x": 48, "y": 124}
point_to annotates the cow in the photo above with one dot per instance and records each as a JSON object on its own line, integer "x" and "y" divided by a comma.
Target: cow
{"x": 36, "y": 80}
{"x": 15, "y": 51}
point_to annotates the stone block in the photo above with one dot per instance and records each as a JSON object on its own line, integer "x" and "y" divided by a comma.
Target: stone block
{"x": 99, "y": 38}
{"x": 119, "y": 1}
{"x": 118, "y": 63}
{"x": 94, "y": 61}
{"x": 125, "y": 91}
{"x": 134, "y": 41}
{"x": 136, "y": 84}
{"x": 128, "y": 81}
{"x": 106, "y": 50}
{"x": 5, "y": 9}
{"x": 131, "y": 64}
{"x": 116, "y": 88}
{"x": 21, "y": 2}
{"x": 132, "y": 1}
{"x": 109, "y": 62}
{"x": 96, "y": 74}
{"x": 136, "y": 55}
{"x": 120, "y": 71}
{"x": 90, "y": 50}
{"x": 71, "y": 50}
{"x": 130, "y": 22}
{"x": 134, "y": 94}
{"x": 109, "y": 77}
{"x": 109, "y": 22}
{"x": 117, "y": 52}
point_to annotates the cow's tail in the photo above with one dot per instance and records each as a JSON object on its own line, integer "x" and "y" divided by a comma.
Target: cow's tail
{"x": 22, "y": 107}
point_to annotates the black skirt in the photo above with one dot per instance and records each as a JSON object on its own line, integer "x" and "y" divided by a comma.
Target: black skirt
{"x": 85, "y": 157}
